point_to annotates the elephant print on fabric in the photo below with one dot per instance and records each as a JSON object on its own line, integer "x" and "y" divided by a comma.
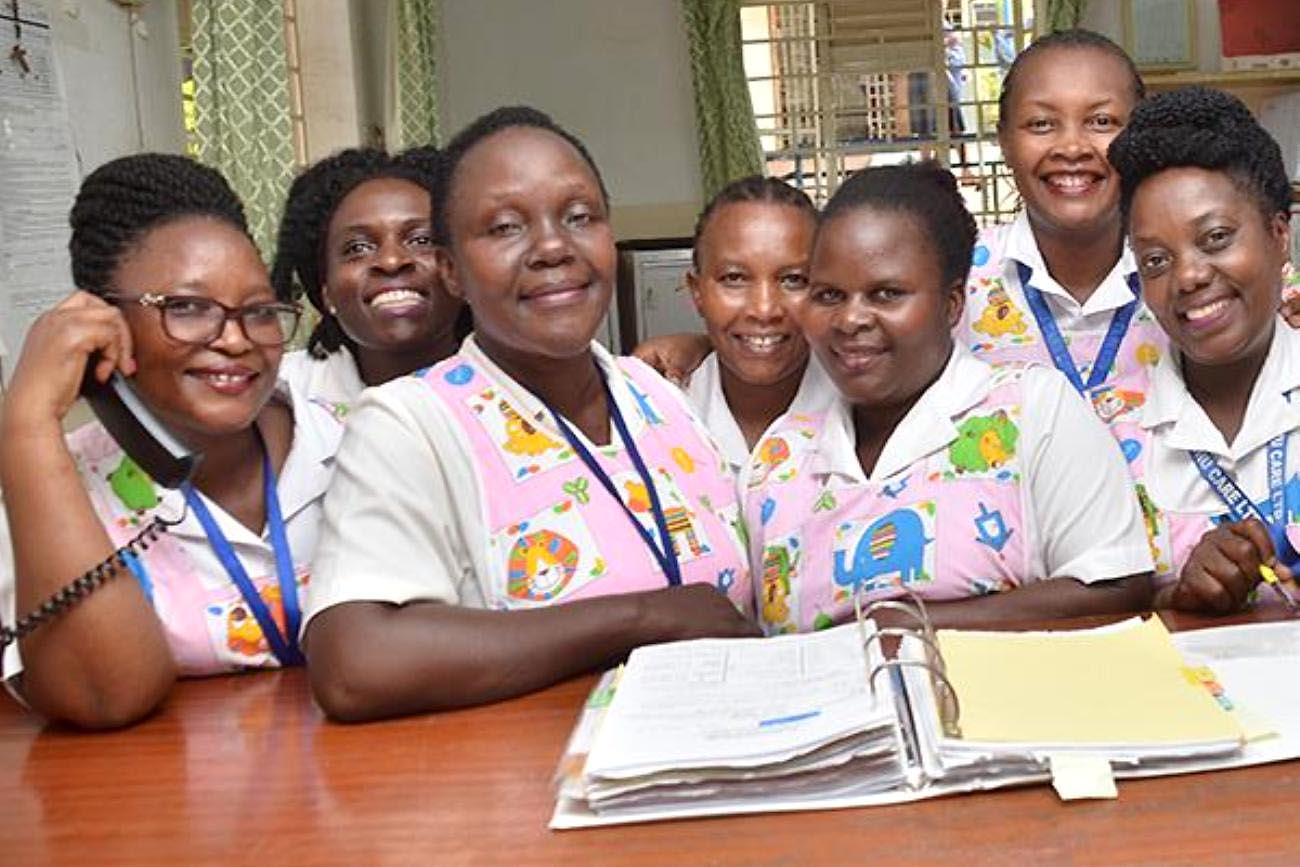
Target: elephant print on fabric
{"x": 893, "y": 550}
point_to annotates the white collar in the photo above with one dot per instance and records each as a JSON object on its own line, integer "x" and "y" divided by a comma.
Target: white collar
{"x": 1021, "y": 248}
{"x": 531, "y": 406}
{"x": 816, "y": 393}
{"x": 302, "y": 480}
{"x": 927, "y": 427}
{"x": 342, "y": 376}
{"x": 1268, "y": 412}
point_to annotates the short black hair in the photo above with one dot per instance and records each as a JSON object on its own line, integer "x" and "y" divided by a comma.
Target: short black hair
{"x": 122, "y": 200}
{"x": 1201, "y": 128}
{"x": 925, "y": 191}
{"x": 488, "y": 125}
{"x": 1072, "y": 38}
{"x": 313, "y": 198}
{"x": 752, "y": 188}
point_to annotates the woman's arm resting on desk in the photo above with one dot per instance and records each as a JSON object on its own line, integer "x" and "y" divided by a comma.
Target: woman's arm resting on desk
{"x": 370, "y": 660}
{"x": 1052, "y": 599}
{"x": 105, "y": 662}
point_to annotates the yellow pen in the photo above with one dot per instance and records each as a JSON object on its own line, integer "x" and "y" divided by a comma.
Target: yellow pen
{"x": 1271, "y": 579}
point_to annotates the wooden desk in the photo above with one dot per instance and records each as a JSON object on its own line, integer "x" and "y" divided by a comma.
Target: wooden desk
{"x": 243, "y": 770}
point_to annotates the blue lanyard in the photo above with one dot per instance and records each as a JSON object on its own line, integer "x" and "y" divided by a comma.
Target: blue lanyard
{"x": 664, "y": 552}
{"x": 285, "y": 647}
{"x": 1056, "y": 343}
{"x": 1242, "y": 507}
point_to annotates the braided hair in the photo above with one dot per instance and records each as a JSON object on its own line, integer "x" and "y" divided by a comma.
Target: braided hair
{"x": 925, "y": 191}
{"x": 1201, "y": 128}
{"x": 122, "y": 200}
{"x": 753, "y": 188}
{"x": 313, "y": 198}
{"x": 1076, "y": 38}
{"x": 488, "y": 125}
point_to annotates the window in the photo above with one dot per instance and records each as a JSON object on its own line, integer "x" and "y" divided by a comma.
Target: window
{"x": 838, "y": 85}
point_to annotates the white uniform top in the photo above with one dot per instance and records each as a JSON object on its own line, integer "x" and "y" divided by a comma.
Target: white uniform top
{"x": 1178, "y": 423}
{"x": 334, "y": 381}
{"x": 1094, "y": 315}
{"x": 301, "y": 485}
{"x": 1082, "y": 518}
{"x": 404, "y": 518}
{"x": 816, "y": 391}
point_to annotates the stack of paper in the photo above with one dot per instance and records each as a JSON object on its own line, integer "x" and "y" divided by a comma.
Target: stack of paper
{"x": 1121, "y": 693}
{"x": 730, "y": 721}
{"x": 789, "y": 723}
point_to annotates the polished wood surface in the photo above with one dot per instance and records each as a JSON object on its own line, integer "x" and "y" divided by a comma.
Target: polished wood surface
{"x": 243, "y": 770}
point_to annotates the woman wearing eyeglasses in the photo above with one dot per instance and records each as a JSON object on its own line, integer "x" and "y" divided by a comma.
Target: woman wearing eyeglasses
{"x": 174, "y": 296}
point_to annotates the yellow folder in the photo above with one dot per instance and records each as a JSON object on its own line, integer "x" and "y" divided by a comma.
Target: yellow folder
{"x": 1125, "y": 686}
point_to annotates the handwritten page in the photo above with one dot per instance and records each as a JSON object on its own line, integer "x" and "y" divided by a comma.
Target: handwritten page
{"x": 736, "y": 703}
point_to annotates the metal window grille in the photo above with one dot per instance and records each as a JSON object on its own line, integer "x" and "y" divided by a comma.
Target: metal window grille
{"x": 838, "y": 85}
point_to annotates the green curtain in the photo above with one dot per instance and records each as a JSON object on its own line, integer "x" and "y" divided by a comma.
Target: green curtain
{"x": 1064, "y": 14}
{"x": 415, "y": 75}
{"x": 241, "y": 95}
{"x": 724, "y": 116}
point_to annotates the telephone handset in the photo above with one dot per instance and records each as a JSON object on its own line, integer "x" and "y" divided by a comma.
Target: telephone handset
{"x": 156, "y": 450}
{"x": 160, "y": 453}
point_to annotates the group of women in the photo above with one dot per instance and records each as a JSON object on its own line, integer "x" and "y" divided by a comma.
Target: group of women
{"x": 1085, "y": 411}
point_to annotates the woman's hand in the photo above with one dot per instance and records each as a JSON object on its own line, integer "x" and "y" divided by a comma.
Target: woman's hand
{"x": 1222, "y": 569}
{"x": 47, "y": 380}
{"x": 675, "y": 356}
{"x": 693, "y": 611}
{"x": 1290, "y": 307}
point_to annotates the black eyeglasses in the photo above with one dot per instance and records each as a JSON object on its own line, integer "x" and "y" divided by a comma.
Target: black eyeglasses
{"x": 199, "y": 321}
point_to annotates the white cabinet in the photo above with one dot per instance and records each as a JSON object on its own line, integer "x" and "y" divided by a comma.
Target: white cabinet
{"x": 652, "y": 294}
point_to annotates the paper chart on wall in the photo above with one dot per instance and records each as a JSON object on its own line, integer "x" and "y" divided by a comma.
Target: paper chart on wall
{"x": 38, "y": 172}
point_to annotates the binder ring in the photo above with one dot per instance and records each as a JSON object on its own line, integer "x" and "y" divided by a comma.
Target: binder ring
{"x": 914, "y": 608}
{"x": 932, "y": 649}
{"x": 949, "y": 706}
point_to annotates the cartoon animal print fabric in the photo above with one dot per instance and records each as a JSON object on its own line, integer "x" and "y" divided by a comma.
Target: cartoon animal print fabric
{"x": 208, "y": 625}
{"x": 553, "y": 533}
{"x": 950, "y": 527}
{"x": 998, "y": 327}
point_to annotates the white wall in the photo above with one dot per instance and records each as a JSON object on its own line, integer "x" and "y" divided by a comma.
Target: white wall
{"x": 1107, "y": 16}
{"x": 330, "y": 85}
{"x": 122, "y": 82}
{"x": 615, "y": 72}
{"x": 370, "y": 45}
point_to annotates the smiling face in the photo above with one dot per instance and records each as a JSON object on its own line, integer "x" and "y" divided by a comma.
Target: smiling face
{"x": 531, "y": 246}
{"x": 201, "y": 392}
{"x": 381, "y": 275}
{"x": 1066, "y": 106}
{"x": 878, "y": 315}
{"x": 752, "y": 280}
{"x": 1210, "y": 263}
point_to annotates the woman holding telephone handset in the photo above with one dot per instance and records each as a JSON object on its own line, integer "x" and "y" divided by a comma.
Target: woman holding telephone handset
{"x": 174, "y": 296}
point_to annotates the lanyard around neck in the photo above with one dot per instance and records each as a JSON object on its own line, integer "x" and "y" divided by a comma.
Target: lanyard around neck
{"x": 1056, "y": 346}
{"x": 283, "y": 644}
{"x": 1242, "y": 507}
{"x": 664, "y": 552}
